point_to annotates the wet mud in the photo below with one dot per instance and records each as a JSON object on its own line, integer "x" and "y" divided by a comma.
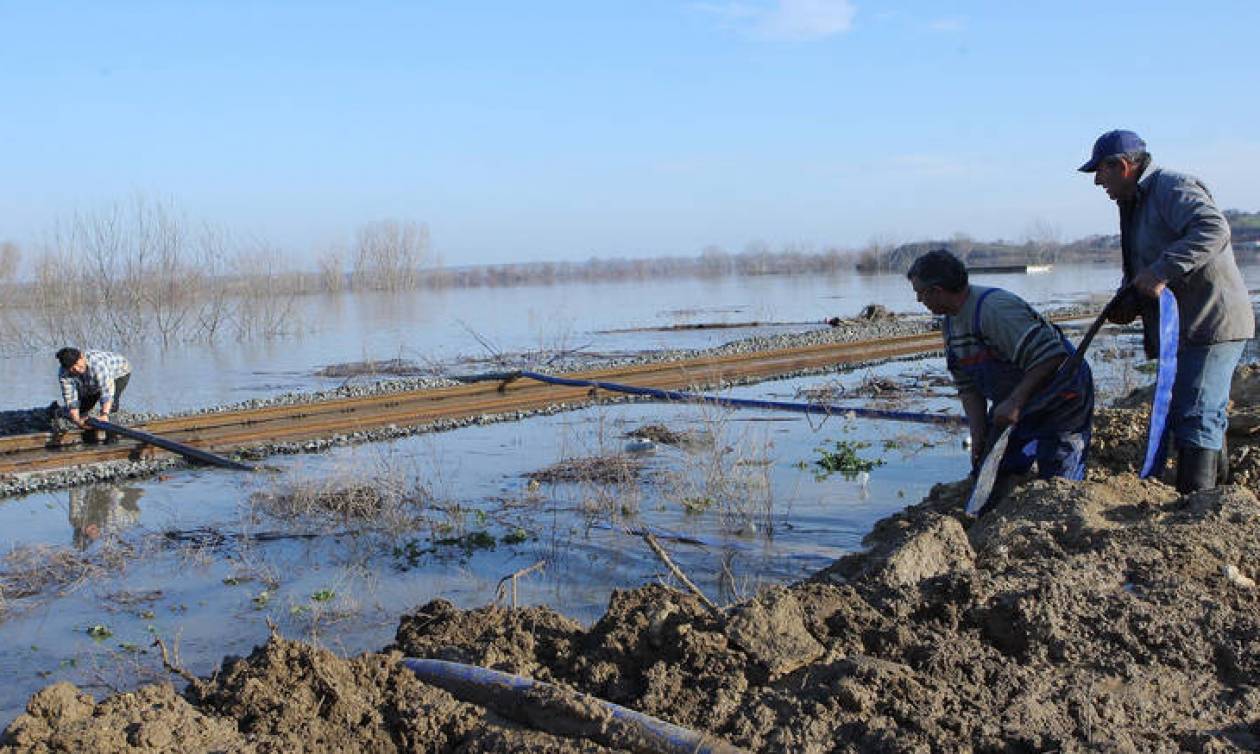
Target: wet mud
{"x": 1106, "y": 615}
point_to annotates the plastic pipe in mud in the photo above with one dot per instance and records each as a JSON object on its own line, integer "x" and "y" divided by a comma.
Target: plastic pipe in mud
{"x": 563, "y": 712}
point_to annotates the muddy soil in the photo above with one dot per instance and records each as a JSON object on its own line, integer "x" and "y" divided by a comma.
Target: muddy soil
{"x": 1106, "y": 615}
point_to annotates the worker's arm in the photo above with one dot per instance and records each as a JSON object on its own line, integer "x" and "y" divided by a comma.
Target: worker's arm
{"x": 70, "y": 396}
{"x": 1186, "y": 206}
{"x": 1007, "y": 412}
{"x": 105, "y": 379}
{"x": 976, "y": 409}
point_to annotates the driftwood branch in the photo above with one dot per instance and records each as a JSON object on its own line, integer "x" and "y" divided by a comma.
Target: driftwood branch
{"x": 173, "y": 666}
{"x": 678, "y": 574}
{"x": 500, "y": 590}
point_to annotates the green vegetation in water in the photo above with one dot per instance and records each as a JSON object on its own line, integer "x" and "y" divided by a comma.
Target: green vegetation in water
{"x": 409, "y": 553}
{"x": 261, "y": 599}
{"x": 474, "y": 540}
{"x": 323, "y": 595}
{"x": 841, "y": 458}
{"x": 698, "y": 504}
{"x": 99, "y": 632}
{"x": 515, "y": 537}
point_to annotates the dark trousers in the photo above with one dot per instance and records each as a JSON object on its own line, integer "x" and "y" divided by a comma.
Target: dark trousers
{"x": 88, "y": 401}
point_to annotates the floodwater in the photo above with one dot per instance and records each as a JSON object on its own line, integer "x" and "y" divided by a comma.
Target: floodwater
{"x": 196, "y": 558}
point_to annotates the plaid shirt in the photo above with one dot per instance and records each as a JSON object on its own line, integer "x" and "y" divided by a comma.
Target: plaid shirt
{"x": 103, "y": 368}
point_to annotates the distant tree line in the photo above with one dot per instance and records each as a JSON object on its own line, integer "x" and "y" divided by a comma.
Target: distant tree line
{"x": 141, "y": 270}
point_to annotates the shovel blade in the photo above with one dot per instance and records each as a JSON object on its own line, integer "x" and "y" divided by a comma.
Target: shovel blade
{"x": 988, "y": 473}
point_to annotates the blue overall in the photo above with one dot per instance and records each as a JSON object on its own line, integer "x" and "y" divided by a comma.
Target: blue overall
{"x": 1055, "y": 425}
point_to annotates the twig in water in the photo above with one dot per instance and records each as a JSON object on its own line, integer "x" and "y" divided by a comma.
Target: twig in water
{"x": 172, "y": 667}
{"x": 501, "y": 588}
{"x": 678, "y": 574}
{"x": 496, "y": 355}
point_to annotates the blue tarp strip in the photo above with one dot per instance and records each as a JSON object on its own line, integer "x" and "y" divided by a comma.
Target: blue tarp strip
{"x": 1168, "y": 336}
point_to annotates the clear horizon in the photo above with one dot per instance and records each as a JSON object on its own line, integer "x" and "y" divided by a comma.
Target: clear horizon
{"x": 564, "y": 131}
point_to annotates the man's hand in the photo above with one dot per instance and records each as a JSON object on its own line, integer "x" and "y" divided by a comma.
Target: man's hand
{"x": 1126, "y": 309}
{"x": 1149, "y": 284}
{"x": 76, "y": 419}
{"x": 1006, "y": 413}
{"x": 977, "y": 448}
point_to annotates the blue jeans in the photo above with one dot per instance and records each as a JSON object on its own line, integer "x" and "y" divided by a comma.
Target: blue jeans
{"x": 1058, "y": 454}
{"x": 1201, "y": 392}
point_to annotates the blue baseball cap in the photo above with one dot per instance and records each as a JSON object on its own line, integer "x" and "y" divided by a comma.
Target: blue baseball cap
{"x": 1110, "y": 144}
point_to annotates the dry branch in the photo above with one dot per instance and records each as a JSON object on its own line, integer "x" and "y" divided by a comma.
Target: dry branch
{"x": 678, "y": 574}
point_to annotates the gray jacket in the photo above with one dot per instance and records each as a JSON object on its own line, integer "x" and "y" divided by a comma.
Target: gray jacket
{"x": 1174, "y": 227}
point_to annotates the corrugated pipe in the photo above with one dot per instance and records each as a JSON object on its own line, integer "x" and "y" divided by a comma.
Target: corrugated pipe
{"x": 563, "y": 712}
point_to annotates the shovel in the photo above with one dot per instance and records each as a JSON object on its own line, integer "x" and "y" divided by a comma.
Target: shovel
{"x": 997, "y": 449}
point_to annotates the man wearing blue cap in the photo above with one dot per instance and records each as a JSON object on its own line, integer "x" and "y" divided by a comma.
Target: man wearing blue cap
{"x": 1172, "y": 235}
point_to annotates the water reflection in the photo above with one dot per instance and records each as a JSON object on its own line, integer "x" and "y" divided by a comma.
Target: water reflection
{"x": 102, "y": 509}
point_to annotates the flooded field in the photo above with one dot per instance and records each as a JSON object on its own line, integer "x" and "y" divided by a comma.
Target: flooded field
{"x": 332, "y": 548}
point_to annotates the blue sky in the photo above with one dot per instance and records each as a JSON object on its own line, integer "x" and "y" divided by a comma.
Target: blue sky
{"x": 566, "y": 130}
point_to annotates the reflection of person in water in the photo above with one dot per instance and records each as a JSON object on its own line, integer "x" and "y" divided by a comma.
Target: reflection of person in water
{"x": 102, "y": 509}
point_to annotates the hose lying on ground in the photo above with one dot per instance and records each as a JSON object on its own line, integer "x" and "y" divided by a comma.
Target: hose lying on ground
{"x": 563, "y": 712}
{"x": 820, "y": 409}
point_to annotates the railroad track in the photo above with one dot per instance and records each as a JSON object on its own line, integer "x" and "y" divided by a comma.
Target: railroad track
{"x": 227, "y": 431}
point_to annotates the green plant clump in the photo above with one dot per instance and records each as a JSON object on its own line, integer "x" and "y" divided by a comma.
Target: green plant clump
{"x": 843, "y": 458}
{"x": 515, "y": 537}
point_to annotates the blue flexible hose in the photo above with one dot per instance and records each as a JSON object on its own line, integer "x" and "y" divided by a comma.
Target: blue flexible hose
{"x": 1156, "y": 447}
{"x": 509, "y": 695}
{"x": 802, "y": 408}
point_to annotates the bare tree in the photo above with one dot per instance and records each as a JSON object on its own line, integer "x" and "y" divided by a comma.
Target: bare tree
{"x": 876, "y": 256}
{"x": 332, "y": 274}
{"x": 389, "y": 253}
{"x": 1044, "y": 241}
{"x": 962, "y": 245}
{"x": 10, "y": 261}
{"x": 265, "y": 299}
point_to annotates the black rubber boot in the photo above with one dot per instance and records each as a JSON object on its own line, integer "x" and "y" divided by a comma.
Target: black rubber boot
{"x": 1196, "y": 469}
{"x": 1222, "y": 463}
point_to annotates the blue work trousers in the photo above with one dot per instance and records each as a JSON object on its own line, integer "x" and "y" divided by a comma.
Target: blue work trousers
{"x": 1201, "y": 393}
{"x": 1058, "y": 454}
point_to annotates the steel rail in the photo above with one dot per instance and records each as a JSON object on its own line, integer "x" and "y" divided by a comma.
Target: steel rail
{"x": 231, "y": 430}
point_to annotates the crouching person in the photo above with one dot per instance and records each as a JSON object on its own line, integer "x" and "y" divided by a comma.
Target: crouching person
{"x": 1001, "y": 351}
{"x": 89, "y": 377}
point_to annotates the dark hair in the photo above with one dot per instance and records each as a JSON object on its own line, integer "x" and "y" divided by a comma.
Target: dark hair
{"x": 939, "y": 267}
{"x": 69, "y": 357}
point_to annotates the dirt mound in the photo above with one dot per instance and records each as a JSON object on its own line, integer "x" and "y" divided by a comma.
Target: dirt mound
{"x": 154, "y": 718}
{"x": 285, "y": 697}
